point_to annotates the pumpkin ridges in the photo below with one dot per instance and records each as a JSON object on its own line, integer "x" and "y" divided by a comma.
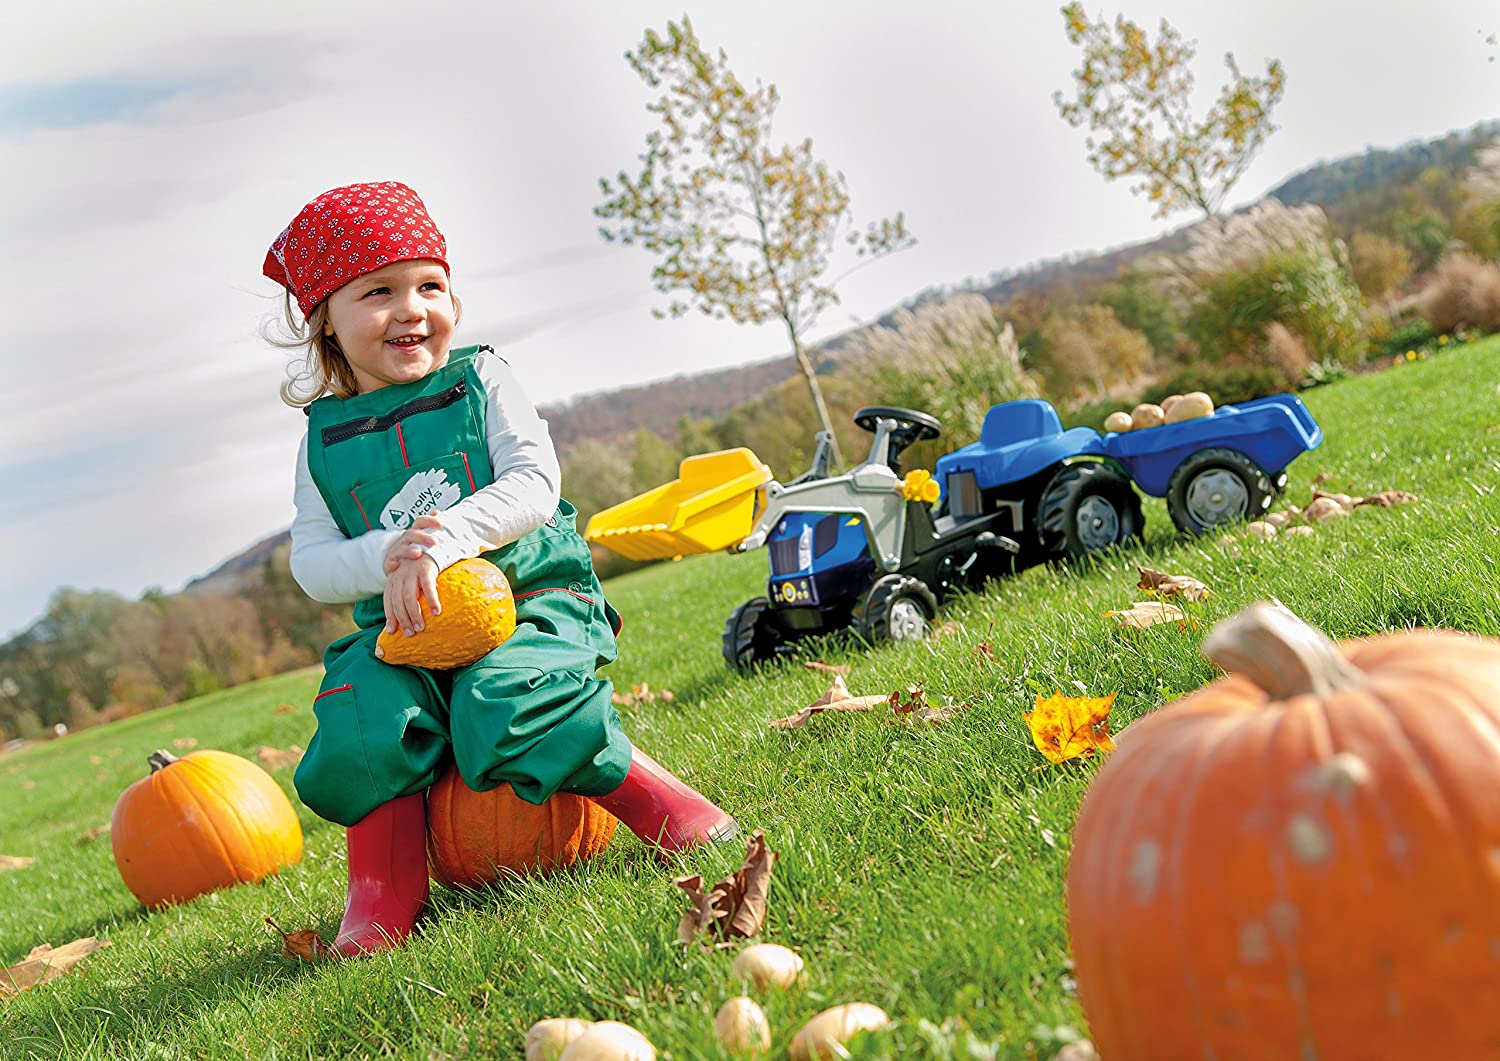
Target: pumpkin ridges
{"x": 251, "y": 845}
{"x": 183, "y": 791}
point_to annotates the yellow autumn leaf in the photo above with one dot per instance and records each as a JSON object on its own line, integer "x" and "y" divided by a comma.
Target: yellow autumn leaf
{"x": 1071, "y": 727}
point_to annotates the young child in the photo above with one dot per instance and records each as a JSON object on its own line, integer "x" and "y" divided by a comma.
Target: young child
{"x": 416, "y": 456}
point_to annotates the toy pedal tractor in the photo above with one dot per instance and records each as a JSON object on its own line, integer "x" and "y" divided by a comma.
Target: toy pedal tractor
{"x": 869, "y": 550}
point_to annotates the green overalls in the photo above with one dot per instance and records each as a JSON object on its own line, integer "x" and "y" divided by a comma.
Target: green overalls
{"x": 531, "y": 712}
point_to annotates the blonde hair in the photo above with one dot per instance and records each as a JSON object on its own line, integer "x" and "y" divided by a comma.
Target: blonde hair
{"x": 323, "y": 368}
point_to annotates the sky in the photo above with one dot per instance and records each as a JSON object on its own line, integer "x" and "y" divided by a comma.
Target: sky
{"x": 151, "y": 152}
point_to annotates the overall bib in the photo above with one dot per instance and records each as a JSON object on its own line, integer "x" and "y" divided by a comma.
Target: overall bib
{"x": 531, "y": 712}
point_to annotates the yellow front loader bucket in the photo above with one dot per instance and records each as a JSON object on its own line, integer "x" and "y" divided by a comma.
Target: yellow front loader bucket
{"x": 708, "y": 507}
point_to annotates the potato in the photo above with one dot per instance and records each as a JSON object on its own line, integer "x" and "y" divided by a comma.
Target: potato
{"x": 1301, "y": 531}
{"x": 1147, "y": 415}
{"x": 1118, "y": 422}
{"x": 767, "y": 964}
{"x": 1277, "y": 519}
{"x": 546, "y": 1039}
{"x": 1259, "y": 529}
{"x": 1169, "y": 401}
{"x": 610, "y": 1041}
{"x": 742, "y": 1027}
{"x": 821, "y": 1036}
{"x": 1190, "y": 407}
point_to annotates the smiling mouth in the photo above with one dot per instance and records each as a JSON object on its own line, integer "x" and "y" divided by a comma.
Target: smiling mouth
{"x": 408, "y": 341}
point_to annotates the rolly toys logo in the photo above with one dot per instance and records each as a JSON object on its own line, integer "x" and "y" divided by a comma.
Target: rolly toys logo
{"x": 424, "y": 492}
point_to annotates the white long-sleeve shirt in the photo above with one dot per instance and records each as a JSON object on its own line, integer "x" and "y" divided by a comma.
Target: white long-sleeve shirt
{"x": 334, "y": 569}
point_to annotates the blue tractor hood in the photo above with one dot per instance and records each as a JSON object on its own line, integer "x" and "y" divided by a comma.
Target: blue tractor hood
{"x": 1019, "y": 439}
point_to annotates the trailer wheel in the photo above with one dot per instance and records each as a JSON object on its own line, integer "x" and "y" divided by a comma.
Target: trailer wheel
{"x": 1217, "y": 486}
{"x": 749, "y": 636}
{"x": 896, "y": 608}
{"x": 1087, "y": 508}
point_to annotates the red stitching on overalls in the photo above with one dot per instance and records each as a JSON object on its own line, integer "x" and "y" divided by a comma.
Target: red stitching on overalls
{"x": 402, "y": 439}
{"x": 470, "y": 474}
{"x": 330, "y": 692}
{"x": 555, "y": 589}
{"x": 361, "y": 510}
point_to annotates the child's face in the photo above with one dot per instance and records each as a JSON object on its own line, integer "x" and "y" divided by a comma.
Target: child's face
{"x": 395, "y": 324}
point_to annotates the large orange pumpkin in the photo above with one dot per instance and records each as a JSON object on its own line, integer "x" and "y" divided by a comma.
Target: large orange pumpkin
{"x": 1301, "y": 859}
{"x": 199, "y": 823}
{"x": 475, "y": 838}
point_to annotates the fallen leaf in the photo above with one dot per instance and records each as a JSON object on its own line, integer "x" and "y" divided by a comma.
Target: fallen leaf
{"x": 1387, "y": 498}
{"x": 985, "y": 650}
{"x": 1321, "y": 477}
{"x": 284, "y": 709}
{"x": 28, "y": 785}
{"x": 1345, "y": 501}
{"x": 927, "y": 713}
{"x": 831, "y": 668}
{"x": 279, "y": 758}
{"x": 91, "y": 835}
{"x": 8, "y": 862}
{"x": 306, "y": 944}
{"x": 1165, "y": 586}
{"x": 735, "y": 908}
{"x": 96, "y": 760}
{"x": 1148, "y": 613}
{"x": 837, "y": 698}
{"x": 46, "y": 963}
{"x": 641, "y": 694}
{"x": 182, "y": 743}
{"x": 1070, "y": 727}
{"x": 915, "y": 700}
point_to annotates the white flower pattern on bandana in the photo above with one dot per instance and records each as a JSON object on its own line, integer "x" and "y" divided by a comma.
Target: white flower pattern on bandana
{"x": 316, "y": 254}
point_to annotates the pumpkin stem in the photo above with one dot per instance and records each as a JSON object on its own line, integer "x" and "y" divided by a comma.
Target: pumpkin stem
{"x": 159, "y": 759}
{"x": 1280, "y": 653}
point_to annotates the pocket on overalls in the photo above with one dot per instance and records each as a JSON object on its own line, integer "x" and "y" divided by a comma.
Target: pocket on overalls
{"x": 393, "y": 501}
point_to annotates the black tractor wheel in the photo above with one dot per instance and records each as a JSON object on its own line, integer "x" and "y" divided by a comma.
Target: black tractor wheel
{"x": 1087, "y": 508}
{"x": 749, "y": 637}
{"x": 1217, "y": 486}
{"x": 895, "y": 608}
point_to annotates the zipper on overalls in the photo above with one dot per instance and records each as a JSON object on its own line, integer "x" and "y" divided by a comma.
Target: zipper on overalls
{"x": 370, "y": 424}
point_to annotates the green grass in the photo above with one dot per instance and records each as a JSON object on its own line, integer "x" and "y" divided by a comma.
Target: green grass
{"x": 922, "y": 870}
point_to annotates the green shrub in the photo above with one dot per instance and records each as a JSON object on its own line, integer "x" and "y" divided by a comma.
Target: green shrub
{"x": 1408, "y": 335}
{"x": 1226, "y": 383}
{"x": 1311, "y": 293}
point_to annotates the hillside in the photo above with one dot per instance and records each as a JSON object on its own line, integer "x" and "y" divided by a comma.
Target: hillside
{"x": 246, "y": 617}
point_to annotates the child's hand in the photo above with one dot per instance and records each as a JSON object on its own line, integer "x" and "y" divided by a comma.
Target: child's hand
{"x": 413, "y": 542}
{"x": 412, "y": 580}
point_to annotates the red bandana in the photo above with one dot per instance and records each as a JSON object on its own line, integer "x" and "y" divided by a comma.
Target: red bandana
{"x": 350, "y": 231}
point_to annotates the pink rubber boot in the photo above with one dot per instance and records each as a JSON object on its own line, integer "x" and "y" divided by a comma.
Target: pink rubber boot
{"x": 664, "y": 811}
{"x": 387, "y": 877}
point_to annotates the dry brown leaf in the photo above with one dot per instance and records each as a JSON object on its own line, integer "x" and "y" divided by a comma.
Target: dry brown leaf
{"x": 1167, "y": 586}
{"x": 91, "y": 835}
{"x": 1387, "y": 498}
{"x": 8, "y": 862}
{"x": 306, "y": 944}
{"x": 284, "y": 709}
{"x": 1321, "y": 477}
{"x": 278, "y": 758}
{"x": 1345, "y": 501}
{"x": 985, "y": 650}
{"x": 641, "y": 694}
{"x": 1070, "y": 727}
{"x": 46, "y": 963}
{"x": 926, "y": 713}
{"x": 837, "y": 698}
{"x": 1148, "y": 613}
{"x": 735, "y": 908}
{"x": 183, "y": 743}
{"x": 831, "y": 668}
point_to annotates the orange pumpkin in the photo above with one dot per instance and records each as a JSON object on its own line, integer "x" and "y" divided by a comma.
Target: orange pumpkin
{"x": 1301, "y": 859}
{"x": 475, "y": 838}
{"x": 206, "y": 821}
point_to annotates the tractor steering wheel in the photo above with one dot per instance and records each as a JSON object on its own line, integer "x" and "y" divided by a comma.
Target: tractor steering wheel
{"x": 911, "y": 426}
